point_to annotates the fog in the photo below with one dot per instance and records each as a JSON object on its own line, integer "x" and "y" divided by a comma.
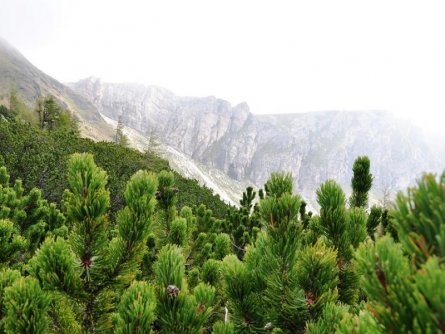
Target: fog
{"x": 278, "y": 56}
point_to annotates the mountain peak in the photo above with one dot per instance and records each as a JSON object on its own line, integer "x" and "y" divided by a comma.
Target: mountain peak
{"x": 10, "y": 54}
{"x": 243, "y": 106}
{"x": 5, "y": 44}
{"x": 17, "y": 73}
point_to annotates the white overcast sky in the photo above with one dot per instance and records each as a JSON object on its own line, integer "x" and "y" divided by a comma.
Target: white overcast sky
{"x": 278, "y": 56}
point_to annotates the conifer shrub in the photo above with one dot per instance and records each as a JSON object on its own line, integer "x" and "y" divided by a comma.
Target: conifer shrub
{"x": 268, "y": 267}
{"x": 403, "y": 281}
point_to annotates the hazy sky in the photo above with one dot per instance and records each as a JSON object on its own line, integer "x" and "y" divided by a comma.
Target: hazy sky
{"x": 278, "y": 56}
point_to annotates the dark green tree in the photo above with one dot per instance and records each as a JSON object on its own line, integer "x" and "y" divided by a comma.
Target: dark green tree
{"x": 136, "y": 311}
{"x": 19, "y": 110}
{"x": 361, "y": 182}
{"x": 26, "y": 219}
{"x": 281, "y": 284}
{"x": 26, "y": 307}
{"x": 120, "y": 137}
{"x": 48, "y": 112}
{"x": 243, "y": 223}
{"x": 403, "y": 281}
{"x": 89, "y": 268}
{"x": 5, "y": 113}
{"x": 374, "y": 220}
{"x": 166, "y": 196}
{"x": 344, "y": 230}
{"x": 178, "y": 310}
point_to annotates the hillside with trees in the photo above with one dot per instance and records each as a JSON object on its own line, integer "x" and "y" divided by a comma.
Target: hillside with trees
{"x": 35, "y": 146}
{"x": 99, "y": 238}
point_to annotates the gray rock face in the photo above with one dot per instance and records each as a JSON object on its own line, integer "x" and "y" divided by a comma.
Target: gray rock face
{"x": 312, "y": 146}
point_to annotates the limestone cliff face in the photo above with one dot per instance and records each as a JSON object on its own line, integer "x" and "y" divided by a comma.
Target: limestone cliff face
{"x": 312, "y": 146}
{"x": 189, "y": 124}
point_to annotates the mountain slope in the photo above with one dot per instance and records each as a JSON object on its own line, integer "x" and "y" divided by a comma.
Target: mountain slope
{"x": 228, "y": 189}
{"x": 30, "y": 83}
{"x": 313, "y": 146}
{"x": 17, "y": 73}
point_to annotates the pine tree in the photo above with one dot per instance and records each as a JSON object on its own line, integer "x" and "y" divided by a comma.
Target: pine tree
{"x": 136, "y": 311}
{"x": 106, "y": 267}
{"x": 6, "y": 114}
{"x": 178, "y": 310}
{"x": 374, "y": 220}
{"x": 16, "y": 106}
{"x": 223, "y": 328}
{"x": 67, "y": 123}
{"x": 25, "y": 220}
{"x": 404, "y": 281}
{"x": 285, "y": 298}
{"x": 166, "y": 196}
{"x": 243, "y": 223}
{"x": 344, "y": 230}
{"x": 120, "y": 138}
{"x": 149, "y": 269}
{"x": 361, "y": 182}
{"x": 48, "y": 113}
{"x": 281, "y": 283}
{"x": 153, "y": 142}
{"x": 26, "y": 307}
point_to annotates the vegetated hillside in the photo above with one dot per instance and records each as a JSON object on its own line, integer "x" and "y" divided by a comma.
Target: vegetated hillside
{"x": 39, "y": 158}
{"x": 266, "y": 268}
{"x": 313, "y": 146}
{"x": 30, "y": 83}
{"x": 19, "y": 75}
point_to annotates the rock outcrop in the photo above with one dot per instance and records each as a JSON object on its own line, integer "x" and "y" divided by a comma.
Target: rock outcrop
{"x": 247, "y": 147}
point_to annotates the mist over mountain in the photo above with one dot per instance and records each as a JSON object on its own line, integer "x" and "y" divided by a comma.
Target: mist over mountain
{"x": 19, "y": 75}
{"x": 312, "y": 146}
{"x": 136, "y": 196}
{"x": 228, "y": 147}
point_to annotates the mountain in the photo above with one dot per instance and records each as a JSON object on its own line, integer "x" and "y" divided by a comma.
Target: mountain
{"x": 30, "y": 83}
{"x": 312, "y": 146}
{"x": 227, "y": 147}
{"x": 229, "y": 190}
{"x": 17, "y": 73}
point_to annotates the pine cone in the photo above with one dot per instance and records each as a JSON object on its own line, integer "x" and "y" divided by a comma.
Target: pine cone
{"x": 172, "y": 291}
{"x": 201, "y": 308}
{"x": 87, "y": 261}
{"x": 310, "y": 298}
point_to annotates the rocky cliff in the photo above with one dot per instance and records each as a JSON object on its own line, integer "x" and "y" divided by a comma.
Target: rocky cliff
{"x": 312, "y": 146}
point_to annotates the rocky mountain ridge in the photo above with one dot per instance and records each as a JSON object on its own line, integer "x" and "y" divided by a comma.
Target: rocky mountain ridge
{"x": 211, "y": 140}
{"x": 19, "y": 75}
{"x": 247, "y": 147}
{"x": 229, "y": 190}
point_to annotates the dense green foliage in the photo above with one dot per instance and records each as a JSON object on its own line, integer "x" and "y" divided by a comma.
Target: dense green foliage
{"x": 131, "y": 258}
{"x": 361, "y": 182}
{"x": 39, "y": 158}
